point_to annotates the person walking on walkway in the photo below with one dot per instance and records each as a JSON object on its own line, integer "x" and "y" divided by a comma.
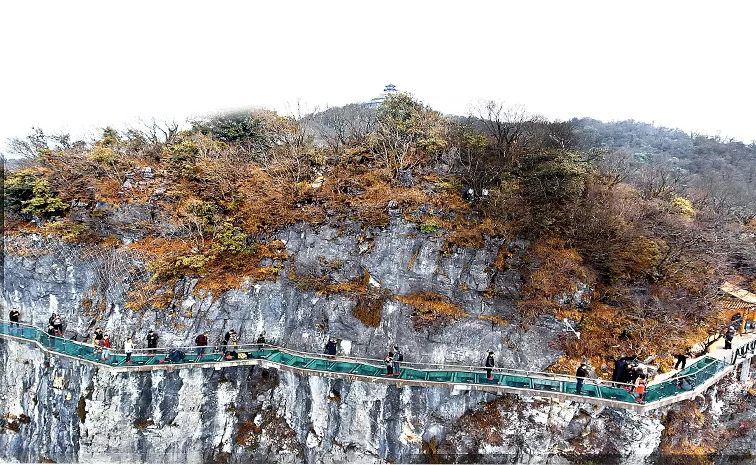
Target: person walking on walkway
{"x": 398, "y": 357}
{"x": 51, "y": 321}
{"x": 489, "y": 365}
{"x": 201, "y": 342}
{"x": 580, "y": 374}
{"x": 152, "y": 339}
{"x": 15, "y": 316}
{"x": 728, "y": 337}
{"x": 128, "y": 348}
{"x": 98, "y": 335}
{"x": 105, "y": 348}
{"x": 682, "y": 358}
{"x": 389, "y": 361}
{"x": 330, "y": 347}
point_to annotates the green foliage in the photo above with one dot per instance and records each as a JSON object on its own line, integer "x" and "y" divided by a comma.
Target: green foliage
{"x": 109, "y": 137}
{"x": 228, "y": 240}
{"x": 181, "y": 157}
{"x": 249, "y": 129}
{"x": 26, "y": 192}
{"x": 429, "y": 227}
{"x": 193, "y": 262}
{"x": 104, "y": 155}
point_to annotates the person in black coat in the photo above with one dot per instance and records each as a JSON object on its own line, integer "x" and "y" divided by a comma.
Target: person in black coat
{"x": 330, "y": 348}
{"x": 580, "y": 374}
{"x": 389, "y": 361}
{"x": 152, "y": 339}
{"x": 15, "y": 316}
{"x": 682, "y": 358}
{"x": 728, "y": 337}
{"x": 227, "y": 338}
{"x": 489, "y": 365}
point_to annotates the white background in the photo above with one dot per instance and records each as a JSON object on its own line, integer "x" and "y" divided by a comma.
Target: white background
{"x": 75, "y": 66}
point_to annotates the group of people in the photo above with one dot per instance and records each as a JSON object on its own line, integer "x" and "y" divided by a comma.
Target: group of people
{"x": 102, "y": 345}
{"x": 392, "y": 361}
{"x": 630, "y": 375}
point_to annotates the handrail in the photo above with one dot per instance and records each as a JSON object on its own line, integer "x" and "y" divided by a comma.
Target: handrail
{"x": 614, "y": 393}
{"x": 214, "y": 350}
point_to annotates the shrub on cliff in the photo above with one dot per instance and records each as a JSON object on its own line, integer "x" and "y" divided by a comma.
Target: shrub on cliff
{"x": 26, "y": 191}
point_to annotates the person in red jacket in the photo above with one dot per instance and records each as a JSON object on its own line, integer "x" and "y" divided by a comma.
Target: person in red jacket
{"x": 640, "y": 389}
{"x": 201, "y": 342}
{"x": 105, "y": 348}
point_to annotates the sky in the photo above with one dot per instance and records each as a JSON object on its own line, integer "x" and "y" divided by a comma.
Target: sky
{"x": 76, "y": 66}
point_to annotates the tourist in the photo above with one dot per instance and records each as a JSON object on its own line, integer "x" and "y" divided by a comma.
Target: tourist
{"x": 580, "y": 374}
{"x": 51, "y": 321}
{"x": 682, "y": 359}
{"x": 640, "y": 389}
{"x": 398, "y": 357}
{"x": 201, "y": 342}
{"x": 389, "y": 361}
{"x": 15, "y": 317}
{"x": 728, "y": 337}
{"x": 128, "y": 348}
{"x": 330, "y": 347}
{"x": 633, "y": 373}
{"x": 226, "y": 339}
{"x": 58, "y": 324}
{"x": 261, "y": 338}
{"x": 98, "y": 335}
{"x": 52, "y": 333}
{"x": 489, "y": 365}
{"x": 105, "y": 348}
{"x": 152, "y": 339}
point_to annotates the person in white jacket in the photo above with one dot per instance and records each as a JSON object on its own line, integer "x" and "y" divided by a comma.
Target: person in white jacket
{"x": 128, "y": 347}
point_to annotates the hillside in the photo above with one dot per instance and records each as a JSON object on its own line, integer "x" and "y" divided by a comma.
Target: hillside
{"x": 605, "y": 219}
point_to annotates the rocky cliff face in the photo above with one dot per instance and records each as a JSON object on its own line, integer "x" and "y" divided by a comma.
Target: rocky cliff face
{"x": 65, "y": 411}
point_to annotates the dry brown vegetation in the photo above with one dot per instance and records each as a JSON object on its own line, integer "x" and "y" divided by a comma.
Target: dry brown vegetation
{"x": 651, "y": 258}
{"x": 431, "y": 309}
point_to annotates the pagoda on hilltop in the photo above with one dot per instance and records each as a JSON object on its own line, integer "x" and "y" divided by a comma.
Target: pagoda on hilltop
{"x": 390, "y": 89}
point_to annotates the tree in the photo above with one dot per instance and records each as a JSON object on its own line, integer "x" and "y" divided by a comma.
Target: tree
{"x": 503, "y": 125}
{"x": 403, "y": 126}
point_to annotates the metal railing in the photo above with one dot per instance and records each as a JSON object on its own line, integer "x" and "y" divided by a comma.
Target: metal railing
{"x": 687, "y": 380}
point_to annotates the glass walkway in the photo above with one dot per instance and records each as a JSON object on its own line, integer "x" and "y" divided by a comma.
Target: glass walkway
{"x": 471, "y": 377}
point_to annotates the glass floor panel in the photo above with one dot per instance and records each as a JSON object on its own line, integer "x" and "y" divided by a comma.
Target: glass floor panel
{"x": 589, "y": 390}
{"x": 516, "y": 381}
{"x": 288, "y": 359}
{"x": 318, "y": 364}
{"x": 464, "y": 377}
{"x": 617, "y": 394}
{"x": 343, "y": 367}
{"x": 409, "y": 373}
{"x": 444, "y": 376}
{"x": 368, "y": 370}
{"x": 546, "y": 385}
{"x": 483, "y": 379}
